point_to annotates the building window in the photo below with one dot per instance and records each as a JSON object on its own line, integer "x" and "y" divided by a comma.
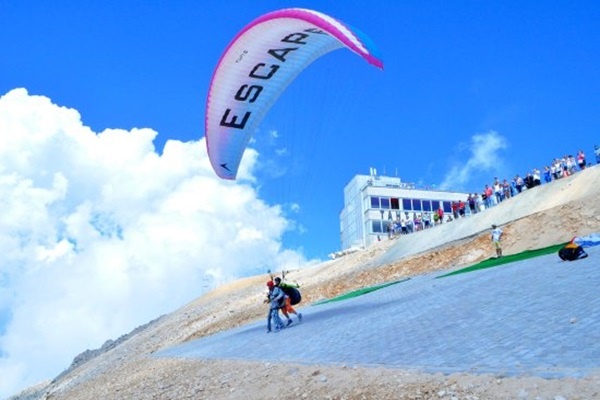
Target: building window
{"x": 385, "y": 203}
{"x": 374, "y": 202}
{"x": 395, "y": 203}
{"x": 435, "y": 204}
{"x": 406, "y": 204}
{"x": 376, "y": 226}
{"x": 447, "y": 206}
{"x": 427, "y": 205}
{"x": 417, "y": 204}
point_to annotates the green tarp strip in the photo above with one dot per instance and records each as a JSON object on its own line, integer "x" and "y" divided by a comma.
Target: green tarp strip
{"x": 489, "y": 263}
{"x": 359, "y": 292}
{"x": 494, "y": 262}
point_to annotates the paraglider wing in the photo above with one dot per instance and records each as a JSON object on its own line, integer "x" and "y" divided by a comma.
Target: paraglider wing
{"x": 256, "y": 68}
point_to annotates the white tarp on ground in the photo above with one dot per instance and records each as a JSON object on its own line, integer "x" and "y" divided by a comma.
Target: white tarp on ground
{"x": 588, "y": 241}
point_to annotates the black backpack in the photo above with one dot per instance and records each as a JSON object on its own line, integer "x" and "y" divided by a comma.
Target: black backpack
{"x": 293, "y": 294}
{"x": 571, "y": 253}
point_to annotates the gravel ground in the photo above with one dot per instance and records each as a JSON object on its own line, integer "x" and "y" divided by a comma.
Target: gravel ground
{"x": 528, "y": 330}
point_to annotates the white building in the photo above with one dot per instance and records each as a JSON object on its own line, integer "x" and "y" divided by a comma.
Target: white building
{"x": 371, "y": 201}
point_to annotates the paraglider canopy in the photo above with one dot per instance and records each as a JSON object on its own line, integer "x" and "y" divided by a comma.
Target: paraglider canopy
{"x": 258, "y": 65}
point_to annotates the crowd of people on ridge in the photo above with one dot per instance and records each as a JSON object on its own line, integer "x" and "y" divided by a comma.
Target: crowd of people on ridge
{"x": 491, "y": 195}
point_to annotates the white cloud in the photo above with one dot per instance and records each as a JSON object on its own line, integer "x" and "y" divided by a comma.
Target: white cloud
{"x": 483, "y": 157}
{"x": 100, "y": 234}
{"x": 295, "y": 207}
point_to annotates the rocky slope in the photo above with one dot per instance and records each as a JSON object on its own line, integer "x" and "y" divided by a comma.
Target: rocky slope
{"x": 124, "y": 368}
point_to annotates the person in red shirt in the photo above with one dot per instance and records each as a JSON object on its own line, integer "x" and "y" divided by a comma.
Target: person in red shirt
{"x": 440, "y": 213}
{"x": 581, "y": 159}
{"x": 454, "y": 207}
{"x": 488, "y": 195}
{"x": 461, "y": 208}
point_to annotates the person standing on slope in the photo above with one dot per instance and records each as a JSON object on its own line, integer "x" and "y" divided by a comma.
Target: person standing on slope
{"x": 496, "y": 235}
{"x": 275, "y": 299}
{"x": 581, "y": 159}
{"x": 287, "y": 308}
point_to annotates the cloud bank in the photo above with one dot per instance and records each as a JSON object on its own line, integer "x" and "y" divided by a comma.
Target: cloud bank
{"x": 482, "y": 159}
{"x": 99, "y": 233}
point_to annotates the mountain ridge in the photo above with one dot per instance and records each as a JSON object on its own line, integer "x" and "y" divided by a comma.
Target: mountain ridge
{"x": 125, "y": 368}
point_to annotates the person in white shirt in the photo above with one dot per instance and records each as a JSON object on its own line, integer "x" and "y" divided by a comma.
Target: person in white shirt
{"x": 496, "y": 235}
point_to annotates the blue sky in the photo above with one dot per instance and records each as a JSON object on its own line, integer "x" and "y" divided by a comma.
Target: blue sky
{"x": 452, "y": 70}
{"x": 103, "y": 158}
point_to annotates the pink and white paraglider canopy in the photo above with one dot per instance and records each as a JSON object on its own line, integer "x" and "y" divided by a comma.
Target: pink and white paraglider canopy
{"x": 256, "y": 68}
